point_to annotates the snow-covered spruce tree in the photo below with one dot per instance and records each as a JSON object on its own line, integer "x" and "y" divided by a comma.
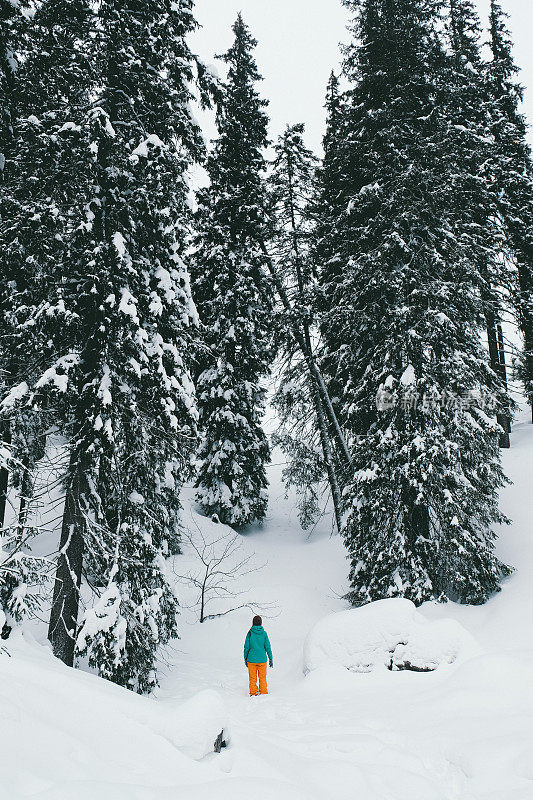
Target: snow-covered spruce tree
{"x": 470, "y": 110}
{"x": 331, "y": 172}
{"x": 7, "y": 80}
{"x": 292, "y": 187}
{"x": 10, "y": 35}
{"x": 30, "y": 229}
{"x": 403, "y": 319}
{"x": 513, "y": 178}
{"x": 127, "y": 398}
{"x": 43, "y": 202}
{"x": 133, "y": 400}
{"x": 232, "y": 292}
{"x": 328, "y": 211}
{"x": 303, "y": 431}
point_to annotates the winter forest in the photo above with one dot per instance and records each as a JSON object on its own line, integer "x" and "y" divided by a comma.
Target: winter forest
{"x": 301, "y": 385}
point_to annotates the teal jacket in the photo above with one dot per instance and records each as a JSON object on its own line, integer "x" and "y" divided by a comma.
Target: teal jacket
{"x": 256, "y": 646}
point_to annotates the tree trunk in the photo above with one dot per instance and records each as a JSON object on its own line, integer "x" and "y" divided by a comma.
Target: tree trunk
{"x": 497, "y": 362}
{"x": 63, "y": 625}
{"x": 336, "y": 495}
{"x": 525, "y": 321}
{"x": 313, "y": 369}
{"x": 26, "y": 494}
{"x": 202, "y": 599}
{"x": 416, "y": 525}
{"x": 321, "y": 400}
{"x": 5, "y": 438}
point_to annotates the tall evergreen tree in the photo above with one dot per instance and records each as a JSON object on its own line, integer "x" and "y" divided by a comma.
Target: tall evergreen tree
{"x": 29, "y": 229}
{"x": 133, "y": 403}
{"x": 104, "y": 196}
{"x": 330, "y": 175}
{"x": 401, "y": 324}
{"x": 324, "y": 213}
{"x": 328, "y": 212}
{"x": 513, "y": 178}
{"x": 470, "y": 110}
{"x": 8, "y": 10}
{"x": 49, "y": 180}
{"x": 11, "y": 31}
{"x": 303, "y": 433}
{"x": 233, "y": 295}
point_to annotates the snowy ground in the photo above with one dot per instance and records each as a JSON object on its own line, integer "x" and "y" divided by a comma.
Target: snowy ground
{"x": 462, "y": 732}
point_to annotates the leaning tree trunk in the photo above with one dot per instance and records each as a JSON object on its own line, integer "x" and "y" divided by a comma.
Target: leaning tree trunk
{"x": 63, "y": 625}
{"x": 325, "y": 440}
{"x": 314, "y": 372}
{"x": 336, "y": 494}
{"x": 319, "y": 391}
{"x": 321, "y": 400}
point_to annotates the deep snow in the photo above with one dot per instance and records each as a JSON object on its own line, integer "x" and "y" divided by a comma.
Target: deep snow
{"x": 461, "y": 732}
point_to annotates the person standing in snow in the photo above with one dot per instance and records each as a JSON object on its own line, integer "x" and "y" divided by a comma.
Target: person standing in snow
{"x": 256, "y": 649}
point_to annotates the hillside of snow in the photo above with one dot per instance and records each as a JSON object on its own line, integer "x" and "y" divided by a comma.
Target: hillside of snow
{"x": 461, "y": 732}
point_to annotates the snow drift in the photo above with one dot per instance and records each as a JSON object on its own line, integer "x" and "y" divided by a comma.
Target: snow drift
{"x": 193, "y": 726}
{"x": 86, "y": 738}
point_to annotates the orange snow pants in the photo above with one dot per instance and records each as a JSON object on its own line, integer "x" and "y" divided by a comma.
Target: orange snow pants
{"x": 253, "y": 671}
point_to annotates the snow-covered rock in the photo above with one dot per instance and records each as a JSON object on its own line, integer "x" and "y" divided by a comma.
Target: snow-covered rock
{"x": 386, "y": 634}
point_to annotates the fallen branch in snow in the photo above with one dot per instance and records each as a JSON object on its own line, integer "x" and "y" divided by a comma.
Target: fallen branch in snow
{"x": 220, "y": 742}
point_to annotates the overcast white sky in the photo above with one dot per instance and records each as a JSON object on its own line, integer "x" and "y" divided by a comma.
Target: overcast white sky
{"x": 299, "y": 45}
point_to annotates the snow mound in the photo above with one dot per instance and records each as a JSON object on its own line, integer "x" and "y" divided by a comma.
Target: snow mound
{"x": 85, "y": 738}
{"x": 194, "y": 726}
{"x": 388, "y": 634}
